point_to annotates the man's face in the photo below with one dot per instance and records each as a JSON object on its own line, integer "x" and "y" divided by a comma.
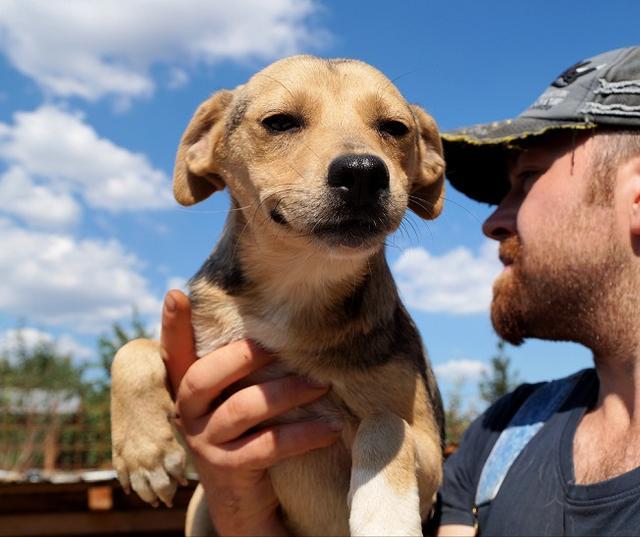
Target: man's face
{"x": 560, "y": 253}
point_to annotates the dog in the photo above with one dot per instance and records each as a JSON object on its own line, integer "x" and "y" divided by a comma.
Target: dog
{"x": 321, "y": 158}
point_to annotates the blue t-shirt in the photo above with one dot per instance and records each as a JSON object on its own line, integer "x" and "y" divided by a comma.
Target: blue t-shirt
{"x": 539, "y": 495}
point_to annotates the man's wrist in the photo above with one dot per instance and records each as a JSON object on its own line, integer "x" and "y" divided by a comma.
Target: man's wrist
{"x": 273, "y": 527}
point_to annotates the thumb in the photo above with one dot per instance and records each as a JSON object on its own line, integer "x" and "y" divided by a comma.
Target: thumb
{"x": 177, "y": 336}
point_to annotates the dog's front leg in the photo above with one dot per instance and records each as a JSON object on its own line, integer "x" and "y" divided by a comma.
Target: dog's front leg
{"x": 145, "y": 452}
{"x": 383, "y": 494}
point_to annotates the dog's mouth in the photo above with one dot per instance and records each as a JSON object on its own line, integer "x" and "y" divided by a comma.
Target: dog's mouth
{"x": 349, "y": 232}
{"x": 346, "y": 230}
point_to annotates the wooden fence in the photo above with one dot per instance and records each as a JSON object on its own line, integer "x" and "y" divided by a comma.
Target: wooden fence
{"x": 43, "y": 452}
{"x": 54, "y": 442}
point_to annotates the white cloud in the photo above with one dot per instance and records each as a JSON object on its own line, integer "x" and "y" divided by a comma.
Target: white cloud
{"x": 456, "y": 282}
{"x": 69, "y": 156}
{"x": 102, "y": 47}
{"x": 31, "y": 337}
{"x": 177, "y": 78}
{"x": 38, "y": 204}
{"x": 177, "y": 282}
{"x": 460, "y": 370}
{"x": 55, "y": 279}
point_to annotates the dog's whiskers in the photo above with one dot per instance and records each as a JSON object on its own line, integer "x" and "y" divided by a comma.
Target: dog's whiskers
{"x": 413, "y": 227}
{"x": 390, "y": 243}
{"x": 394, "y": 80}
{"x": 449, "y": 200}
{"x": 423, "y": 204}
{"x": 192, "y": 210}
{"x": 403, "y": 232}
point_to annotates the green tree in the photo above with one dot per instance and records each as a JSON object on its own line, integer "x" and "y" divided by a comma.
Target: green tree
{"x": 457, "y": 417}
{"x": 97, "y": 394}
{"x": 40, "y": 396}
{"x": 37, "y": 428}
{"x": 501, "y": 379}
{"x": 40, "y": 366}
{"x": 108, "y": 344}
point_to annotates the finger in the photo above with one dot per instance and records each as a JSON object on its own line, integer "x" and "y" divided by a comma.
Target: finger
{"x": 269, "y": 446}
{"x": 177, "y": 336}
{"x": 257, "y": 403}
{"x": 207, "y": 377}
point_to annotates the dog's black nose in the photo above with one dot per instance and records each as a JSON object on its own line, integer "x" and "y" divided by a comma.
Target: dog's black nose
{"x": 362, "y": 178}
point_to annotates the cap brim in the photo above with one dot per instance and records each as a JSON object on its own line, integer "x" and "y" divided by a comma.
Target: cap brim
{"x": 476, "y": 156}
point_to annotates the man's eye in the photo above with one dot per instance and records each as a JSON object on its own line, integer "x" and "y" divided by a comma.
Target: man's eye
{"x": 282, "y": 123}
{"x": 527, "y": 178}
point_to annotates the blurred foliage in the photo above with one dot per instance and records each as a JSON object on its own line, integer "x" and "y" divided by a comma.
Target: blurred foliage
{"x": 498, "y": 381}
{"x": 51, "y": 414}
{"x": 41, "y": 366}
{"x": 108, "y": 344}
{"x": 501, "y": 379}
{"x": 457, "y": 417}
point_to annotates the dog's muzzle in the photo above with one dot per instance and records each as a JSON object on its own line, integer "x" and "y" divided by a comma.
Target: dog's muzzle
{"x": 356, "y": 212}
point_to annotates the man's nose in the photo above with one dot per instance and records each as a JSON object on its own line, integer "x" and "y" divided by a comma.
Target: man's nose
{"x": 502, "y": 223}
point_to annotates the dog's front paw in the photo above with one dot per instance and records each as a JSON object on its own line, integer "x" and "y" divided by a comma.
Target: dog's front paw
{"x": 152, "y": 467}
{"x": 145, "y": 454}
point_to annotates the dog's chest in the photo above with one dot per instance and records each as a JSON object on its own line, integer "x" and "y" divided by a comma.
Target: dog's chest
{"x": 222, "y": 322}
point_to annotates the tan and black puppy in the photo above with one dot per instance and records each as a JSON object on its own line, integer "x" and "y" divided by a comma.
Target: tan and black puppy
{"x": 321, "y": 159}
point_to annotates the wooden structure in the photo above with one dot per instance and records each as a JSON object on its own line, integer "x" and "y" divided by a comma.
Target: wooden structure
{"x": 52, "y": 439}
{"x": 43, "y": 444}
{"x": 86, "y": 509}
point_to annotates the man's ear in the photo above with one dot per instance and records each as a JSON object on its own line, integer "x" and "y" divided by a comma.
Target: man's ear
{"x": 632, "y": 170}
{"x": 196, "y": 175}
{"x": 427, "y": 187}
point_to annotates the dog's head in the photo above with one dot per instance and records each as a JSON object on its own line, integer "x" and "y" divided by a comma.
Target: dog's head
{"x": 327, "y": 151}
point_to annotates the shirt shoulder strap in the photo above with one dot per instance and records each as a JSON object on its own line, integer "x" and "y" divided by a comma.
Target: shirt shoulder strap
{"x": 543, "y": 402}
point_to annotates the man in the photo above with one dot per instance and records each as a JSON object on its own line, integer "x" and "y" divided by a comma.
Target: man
{"x": 566, "y": 176}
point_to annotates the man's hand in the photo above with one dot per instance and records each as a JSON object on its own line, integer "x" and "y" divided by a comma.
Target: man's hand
{"x": 232, "y": 464}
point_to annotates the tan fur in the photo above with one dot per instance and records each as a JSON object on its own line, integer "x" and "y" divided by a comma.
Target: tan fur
{"x": 387, "y": 435}
{"x": 331, "y": 312}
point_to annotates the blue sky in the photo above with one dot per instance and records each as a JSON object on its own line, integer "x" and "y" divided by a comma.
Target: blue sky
{"x": 95, "y": 96}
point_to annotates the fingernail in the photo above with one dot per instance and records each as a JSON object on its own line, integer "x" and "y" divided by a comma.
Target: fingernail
{"x": 169, "y": 303}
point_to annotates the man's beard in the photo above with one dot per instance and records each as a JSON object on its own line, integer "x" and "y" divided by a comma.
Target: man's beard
{"x": 510, "y": 296}
{"x": 557, "y": 295}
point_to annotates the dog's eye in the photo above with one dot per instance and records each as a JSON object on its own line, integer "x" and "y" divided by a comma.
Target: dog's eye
{"x": 393, "y": 127}
{"x": 282, "y": 122}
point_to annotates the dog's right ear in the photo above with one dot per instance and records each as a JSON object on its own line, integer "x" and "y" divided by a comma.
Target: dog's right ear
{"x": 196, "y": 175}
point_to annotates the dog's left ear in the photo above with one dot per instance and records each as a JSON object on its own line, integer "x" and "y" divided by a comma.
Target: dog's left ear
{"x": 196, "y": 174}
{"x": 427, "y": 188}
